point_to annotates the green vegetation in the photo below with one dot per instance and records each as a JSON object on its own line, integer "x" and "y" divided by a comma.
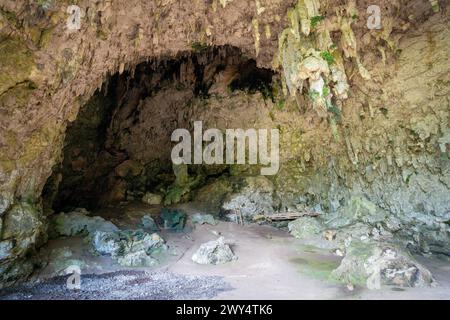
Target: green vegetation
{"x": 327, "y": 56}
{"x": 315, "y": 20}
{"x": 198, "y": 47}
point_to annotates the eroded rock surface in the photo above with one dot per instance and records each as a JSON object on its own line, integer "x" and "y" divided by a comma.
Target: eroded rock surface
{"x": 374, "y": 264}
{"x": 214, "y": 252}
{"x": 255, "y": 198}
{"x": 363, "y": 114}
{"x": 79, "y": 223}
{"x": 129, "y": 248}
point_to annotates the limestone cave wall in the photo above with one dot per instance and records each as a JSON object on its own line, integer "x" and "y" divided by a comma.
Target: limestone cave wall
{"x": 371, "y": 144}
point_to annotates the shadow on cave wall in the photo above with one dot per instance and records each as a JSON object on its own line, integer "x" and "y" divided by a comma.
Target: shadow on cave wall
{"x": 119, "y": 146}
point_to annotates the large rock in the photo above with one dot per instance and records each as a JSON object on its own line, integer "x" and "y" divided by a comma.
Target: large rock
{"x": 79, "y": 223}
{"x": 128, "y": 248}
{"x": 173, "y": 219}
{"x": 152, "y": 198}
{"x": 137, "y": 259}
{"x": 374, "y": 264}
{"x": 149, "y": 224}
{"x": 21, "y": 221}
{"x": 62, "y": 258}
{"x": 11, "y": 272}
{"x": 305, "y": 228}
{"x": 22, "y": 230}
{"x": 24, "y": 226}
{"x": 203, "y": 219}
{"x": 255, "y": 198}
{"x": 214, "y": 252}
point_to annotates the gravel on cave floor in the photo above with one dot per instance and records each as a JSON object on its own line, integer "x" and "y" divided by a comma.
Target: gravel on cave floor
{"x": 122, "y": 285}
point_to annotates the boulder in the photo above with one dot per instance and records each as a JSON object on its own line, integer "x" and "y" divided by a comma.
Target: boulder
{"x": 22, "y": 221}
{"x": 305, "y": 228}
{"x": 78, "y": 223}
{"x": 173, "y": 219}
{"x": 374, "y": 264}
{"x": 152, "y": 198}
{"x": 128, "y": 248}
{"x": 62, "y": 258}
{"x": 203, "y": 219}
{"x": 149, "y": 224}
{"x": 24, "y": 226}
{"x": 214, "y": 252}
{"x": 137, "y": 259}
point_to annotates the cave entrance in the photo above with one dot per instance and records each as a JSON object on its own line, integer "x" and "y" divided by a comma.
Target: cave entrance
{"x": 118, "y": 149}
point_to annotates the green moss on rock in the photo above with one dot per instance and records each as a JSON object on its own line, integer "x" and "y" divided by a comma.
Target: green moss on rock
{"x": 16, "y": 63}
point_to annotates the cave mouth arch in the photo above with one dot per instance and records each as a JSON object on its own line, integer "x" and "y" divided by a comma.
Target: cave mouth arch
{"x": 119, "y": 145}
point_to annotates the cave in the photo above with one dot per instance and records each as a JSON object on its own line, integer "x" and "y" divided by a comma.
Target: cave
{"x": 119, "y": 147}
{"x": 229, "y": 149}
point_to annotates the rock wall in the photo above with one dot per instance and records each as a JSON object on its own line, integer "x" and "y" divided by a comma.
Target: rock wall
{"x": 379, "y": 145}
{"x": 49, "y": 72}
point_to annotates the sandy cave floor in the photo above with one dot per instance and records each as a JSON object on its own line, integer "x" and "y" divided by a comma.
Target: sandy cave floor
{"x": 271, "y": 265}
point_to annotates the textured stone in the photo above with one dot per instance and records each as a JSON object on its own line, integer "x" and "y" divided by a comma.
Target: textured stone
{"x": 213, "y": 194}
{"x": 255, "y": 198}
{"x": 374, "y": 264}
{"x": 136, "y": 259}
{"x": 152, "y": 199}
{"x": 79, "y": 223}
{"x": 390, "y": 146}
{"x": 203, "y": 219}
{"x": 6, "y": 249}
{"x": 305, "y": 228}
{"x": 22, "y": 221}
{"x": 173, "y": 219}
{"x": 128, "y": 248}
{"x": 358, "y": 209}
{"x": 5, "y": 202}
{"x": 149, "y": 224}
{"x": 214, "y": 252}
{"x": 62, "y": 258}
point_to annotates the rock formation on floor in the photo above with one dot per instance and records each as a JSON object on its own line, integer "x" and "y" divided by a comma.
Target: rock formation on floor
{"x": 374, "y": 264}
{"x": 214, "y": 252}
{"x": 129, "y": 248}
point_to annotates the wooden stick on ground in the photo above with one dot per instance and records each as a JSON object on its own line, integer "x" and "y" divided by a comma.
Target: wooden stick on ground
{"x": 290, "y": 215}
